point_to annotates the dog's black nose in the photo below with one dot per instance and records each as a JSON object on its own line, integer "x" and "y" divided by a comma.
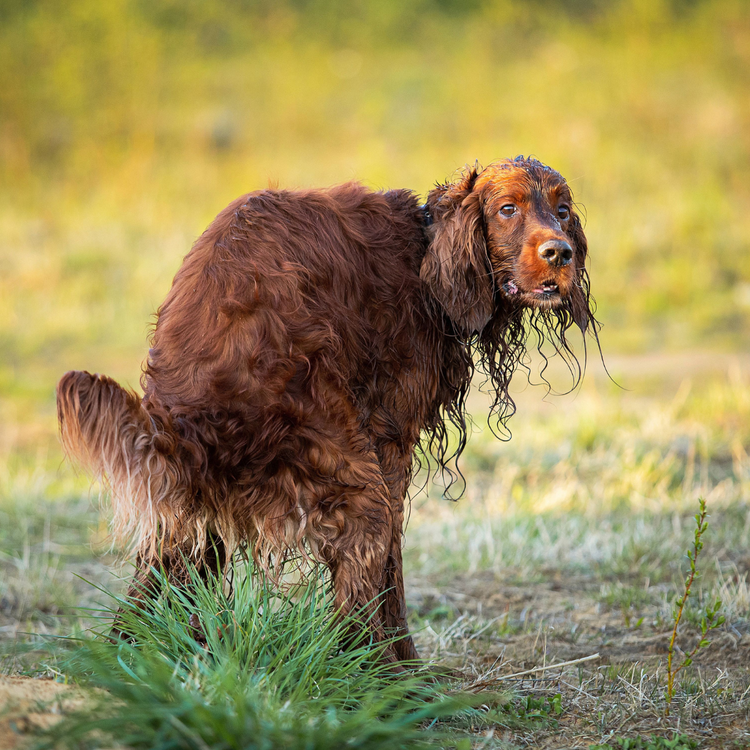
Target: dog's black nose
{"x": 556, "y": 252}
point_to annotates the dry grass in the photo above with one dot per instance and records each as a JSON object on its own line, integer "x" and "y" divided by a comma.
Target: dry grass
{"x": 570, "y": 542}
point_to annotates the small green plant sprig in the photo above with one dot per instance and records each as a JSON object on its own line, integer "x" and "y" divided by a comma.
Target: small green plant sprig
{"x": 711, "y": 618}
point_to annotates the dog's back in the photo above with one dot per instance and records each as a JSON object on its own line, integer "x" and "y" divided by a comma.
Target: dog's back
{"x": 295, "y": 316}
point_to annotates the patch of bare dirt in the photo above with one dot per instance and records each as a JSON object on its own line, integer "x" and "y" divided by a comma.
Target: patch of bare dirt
{"x": 29, "y": 705}
{"x": 490, "y": 627}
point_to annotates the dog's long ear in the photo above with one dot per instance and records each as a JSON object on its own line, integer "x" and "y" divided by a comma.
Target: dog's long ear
{"x": 456, "y": 266}
{"x": 580, "y": 301}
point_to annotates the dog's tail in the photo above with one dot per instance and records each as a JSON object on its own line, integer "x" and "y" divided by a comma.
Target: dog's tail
{"x": 106, "y": 429}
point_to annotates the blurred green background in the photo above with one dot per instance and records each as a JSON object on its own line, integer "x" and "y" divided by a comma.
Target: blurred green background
{"x": 126, "y": 125}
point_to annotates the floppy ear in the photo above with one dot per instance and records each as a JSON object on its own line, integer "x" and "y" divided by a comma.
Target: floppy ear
{"x": 579, "y": 239}
{"x": 456, "y": 267}
{"x": 580, "y": 301}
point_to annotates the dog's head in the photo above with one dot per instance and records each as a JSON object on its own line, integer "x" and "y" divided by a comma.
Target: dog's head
{"x": 503, "y": 238}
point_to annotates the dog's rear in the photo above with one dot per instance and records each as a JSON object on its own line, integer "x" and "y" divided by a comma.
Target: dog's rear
{"x": 106, "y": 429}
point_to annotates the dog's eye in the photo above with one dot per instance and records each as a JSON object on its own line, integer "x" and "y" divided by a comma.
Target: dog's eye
{"x": 508, "y": 209}
{"x": 563, "y": 213}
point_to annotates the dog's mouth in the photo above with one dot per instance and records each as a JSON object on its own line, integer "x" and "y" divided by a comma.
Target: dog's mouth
{"x": 547, "y": 291}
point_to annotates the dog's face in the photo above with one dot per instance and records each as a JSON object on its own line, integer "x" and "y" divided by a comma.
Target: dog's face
{"x": 506, "y": 235}
{"x": 532, "y": 233}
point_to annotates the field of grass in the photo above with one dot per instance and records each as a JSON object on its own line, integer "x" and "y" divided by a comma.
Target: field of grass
{"x": 569, "y": 543}
{"x": 126, "y": 126}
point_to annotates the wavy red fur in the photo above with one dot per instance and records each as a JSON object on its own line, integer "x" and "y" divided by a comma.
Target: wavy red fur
{"x": 309, "y": 342}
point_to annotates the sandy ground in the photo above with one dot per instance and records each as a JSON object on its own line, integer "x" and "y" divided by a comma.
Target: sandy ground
{"x": 27, "y": 705}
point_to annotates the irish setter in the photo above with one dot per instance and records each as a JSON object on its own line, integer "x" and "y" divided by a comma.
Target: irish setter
{"x": 311, "y": 342}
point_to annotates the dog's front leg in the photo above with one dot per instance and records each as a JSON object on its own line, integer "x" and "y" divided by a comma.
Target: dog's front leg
{"x": 394, "y": 605}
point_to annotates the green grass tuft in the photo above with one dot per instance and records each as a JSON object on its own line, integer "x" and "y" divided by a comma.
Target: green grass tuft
{"x": 271, "y": 674}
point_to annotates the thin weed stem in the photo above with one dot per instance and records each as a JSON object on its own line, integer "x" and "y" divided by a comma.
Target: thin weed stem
{"x": 710, "y": 619}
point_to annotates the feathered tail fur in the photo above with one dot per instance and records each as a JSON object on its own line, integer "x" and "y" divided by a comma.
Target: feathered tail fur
{"x": 106, "y": 429}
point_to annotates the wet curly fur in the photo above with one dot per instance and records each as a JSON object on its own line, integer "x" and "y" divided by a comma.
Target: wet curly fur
{"x": 311, "y": 343}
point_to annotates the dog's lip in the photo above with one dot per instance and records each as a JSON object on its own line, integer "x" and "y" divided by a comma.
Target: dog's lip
{"x": 510, "y": 287}
{"x": 546, "y": 289}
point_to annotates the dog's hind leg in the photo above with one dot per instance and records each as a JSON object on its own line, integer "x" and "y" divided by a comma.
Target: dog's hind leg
{"x": 172, "y": 568}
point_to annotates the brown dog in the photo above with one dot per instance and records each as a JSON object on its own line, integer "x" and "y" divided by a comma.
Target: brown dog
{"x": 310, "y": 343}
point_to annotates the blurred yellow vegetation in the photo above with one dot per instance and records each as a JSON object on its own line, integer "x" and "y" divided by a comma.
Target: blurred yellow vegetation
{"x": 126, "y": 125}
